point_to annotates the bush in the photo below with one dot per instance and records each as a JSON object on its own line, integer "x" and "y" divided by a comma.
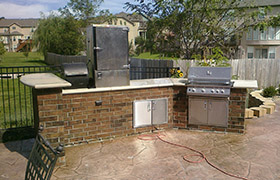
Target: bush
{"x": 279, "y": 89}
{"x": 269, "y": 91}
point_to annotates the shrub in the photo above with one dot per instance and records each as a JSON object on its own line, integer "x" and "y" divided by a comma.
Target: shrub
{"x": 279, "y": 89}
{"x": 269, "y": 91}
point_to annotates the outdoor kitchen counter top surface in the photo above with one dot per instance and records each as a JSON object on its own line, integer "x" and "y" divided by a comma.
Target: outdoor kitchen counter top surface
{"x": 48, "y": 80}
{"x": 253, "y": 84}
{"x": 44, "y": 81}
{"x": 150, "y": 83}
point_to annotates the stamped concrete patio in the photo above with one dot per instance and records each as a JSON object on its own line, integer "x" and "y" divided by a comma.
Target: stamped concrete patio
{"x": 254, "y": 155}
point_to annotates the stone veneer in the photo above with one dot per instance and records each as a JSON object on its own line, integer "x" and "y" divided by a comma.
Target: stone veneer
{"x": 74, "y": 119}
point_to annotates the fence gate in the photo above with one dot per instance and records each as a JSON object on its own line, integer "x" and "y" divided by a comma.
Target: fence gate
{"x": 16, "y": 103}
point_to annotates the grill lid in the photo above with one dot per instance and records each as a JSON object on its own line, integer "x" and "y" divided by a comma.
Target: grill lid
{"x": 75, "y": 69}
{"x": 209, "y": 75}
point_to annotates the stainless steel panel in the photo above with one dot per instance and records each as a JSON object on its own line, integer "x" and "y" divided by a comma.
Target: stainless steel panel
{"x": 198, "y": 111}
{"x": 160, "y": 111}
{"x": 208, "y": 91}
{"x": 142, "y": 115}
{"x": 112, "y": 78}
{"x": 210, "y": 72}
{"x": 74, "y": 69}
{"x": 111, "y": 47}
{"x": 218, "y": 112}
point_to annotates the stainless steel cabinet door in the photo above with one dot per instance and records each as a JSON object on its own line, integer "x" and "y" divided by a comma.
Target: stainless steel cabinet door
{"x": 142, "y": 115}
{"x": 198, "y": 111}
{"x": 159, "y": 111}
{"x": 218, "y": 112}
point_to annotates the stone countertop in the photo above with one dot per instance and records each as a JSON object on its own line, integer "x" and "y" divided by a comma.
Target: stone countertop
{"x": 44, "y": 81}
{"x": 161, "y": 82}
{"x": 252, "y": 84}
{"x": 48, "y": 80}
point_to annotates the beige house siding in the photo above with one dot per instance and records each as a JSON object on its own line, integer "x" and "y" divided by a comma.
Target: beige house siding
{"x": 14, "y": 30}
{"x": 264, "y": 43}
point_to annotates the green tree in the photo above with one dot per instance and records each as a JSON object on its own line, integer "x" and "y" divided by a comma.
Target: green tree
{"x": 188, "y": 27}
{"x": 2, "y": 49}
{"x": 59, "y": 35}
{"x": 83, "y": 10}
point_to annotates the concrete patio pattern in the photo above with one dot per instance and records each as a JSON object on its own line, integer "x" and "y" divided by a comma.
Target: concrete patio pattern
{"x": 254, "y": 155}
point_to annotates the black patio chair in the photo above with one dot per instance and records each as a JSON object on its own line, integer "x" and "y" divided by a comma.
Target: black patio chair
{"x": 42, "y": 160}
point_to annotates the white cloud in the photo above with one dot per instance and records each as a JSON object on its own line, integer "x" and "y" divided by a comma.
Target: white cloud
{"x": 9, "y": 10}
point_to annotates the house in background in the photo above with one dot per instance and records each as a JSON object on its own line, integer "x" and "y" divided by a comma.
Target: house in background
{"x": 16, "y": 34}
{"x": 262, "y": 44}
{"x": 136, "y": 23}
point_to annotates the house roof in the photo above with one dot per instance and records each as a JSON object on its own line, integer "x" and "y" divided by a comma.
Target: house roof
{"x": 260, "y": 3}
{"x": 19, "y": 22}
{"x": 267, "y": 2}
{"x": 131, "y": 17}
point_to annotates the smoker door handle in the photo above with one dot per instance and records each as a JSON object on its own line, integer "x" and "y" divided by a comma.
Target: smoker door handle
{"x": 97, "y": 48}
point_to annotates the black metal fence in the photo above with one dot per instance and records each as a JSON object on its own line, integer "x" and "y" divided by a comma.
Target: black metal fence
{"x": 149, "y": 69}
{"x": 16, "y": 103}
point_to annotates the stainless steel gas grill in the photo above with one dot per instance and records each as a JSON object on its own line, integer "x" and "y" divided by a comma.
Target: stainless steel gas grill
{"x": 208, "y": 91}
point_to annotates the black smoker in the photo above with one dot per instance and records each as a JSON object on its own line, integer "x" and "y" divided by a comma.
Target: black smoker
{"x": 208, "y": 91}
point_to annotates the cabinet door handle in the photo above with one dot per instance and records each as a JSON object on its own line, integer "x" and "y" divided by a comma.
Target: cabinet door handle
{"x": 205, "y": 105}
{"x": 149, "y": 107}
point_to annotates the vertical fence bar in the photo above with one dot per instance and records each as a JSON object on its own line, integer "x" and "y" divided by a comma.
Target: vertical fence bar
{"x": 3, "y": 98}
{"x": 25, "y": 108}
{"x": 19, "y": 96}
{"x": 9, "y": 102}
{"x": 14, "y": 94}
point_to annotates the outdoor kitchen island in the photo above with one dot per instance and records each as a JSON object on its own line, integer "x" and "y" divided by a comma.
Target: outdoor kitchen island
{"x": 78, "y": 116}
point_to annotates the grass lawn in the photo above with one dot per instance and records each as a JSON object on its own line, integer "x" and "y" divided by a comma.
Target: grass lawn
{"x": 147, "y": 55}
{"x": 15, "y": 99}
{"x": 16, "y": 108}
{"x": 18, "y": 59}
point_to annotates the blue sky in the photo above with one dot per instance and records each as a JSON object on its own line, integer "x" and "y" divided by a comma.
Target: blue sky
{"x": 32, "y": 8}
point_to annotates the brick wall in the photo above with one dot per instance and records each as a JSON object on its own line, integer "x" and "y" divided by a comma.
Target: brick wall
{"x": 76, "y": 119}
{"x": 237, "y": 110}
{"x": 180, "y": 107}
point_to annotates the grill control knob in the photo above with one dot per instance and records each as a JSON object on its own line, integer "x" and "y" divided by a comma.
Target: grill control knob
{"x": 222, "y": 91}
{"x": 212, "y": 90}
{"x": 203, "y": 90}
{"x": 193, "y": 90}
{"x": 217, "y": 91}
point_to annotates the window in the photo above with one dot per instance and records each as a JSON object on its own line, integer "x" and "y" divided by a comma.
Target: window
{"x": 124, "y": 23}
{"x": 271, "y": 33}
{"x": 261, "y": 14}
{"x": 277, "y": 29}
{"x": 13, "y": 27}
{"x": 120, "y": 22}
{"x": 256, "y": 34}
{"x": 14, "y": 39}
{"x": 261, "y": 53}
{"x": 32, "y": 30}
{"x": 271, "y": 53}
{"x": 250, "y": 33}
{"x": 263, "y": 34}
{"x": 250, "y": 52}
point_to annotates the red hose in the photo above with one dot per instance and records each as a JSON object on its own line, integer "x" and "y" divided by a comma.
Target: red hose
{"x": 200, "y": 154}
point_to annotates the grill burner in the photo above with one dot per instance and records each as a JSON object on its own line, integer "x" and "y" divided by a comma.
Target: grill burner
{"x": 209, "y": 81}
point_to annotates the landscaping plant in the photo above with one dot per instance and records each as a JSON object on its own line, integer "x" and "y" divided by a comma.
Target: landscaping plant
{"x": 176, "y": 73}
{"x": 269, "y": 91}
